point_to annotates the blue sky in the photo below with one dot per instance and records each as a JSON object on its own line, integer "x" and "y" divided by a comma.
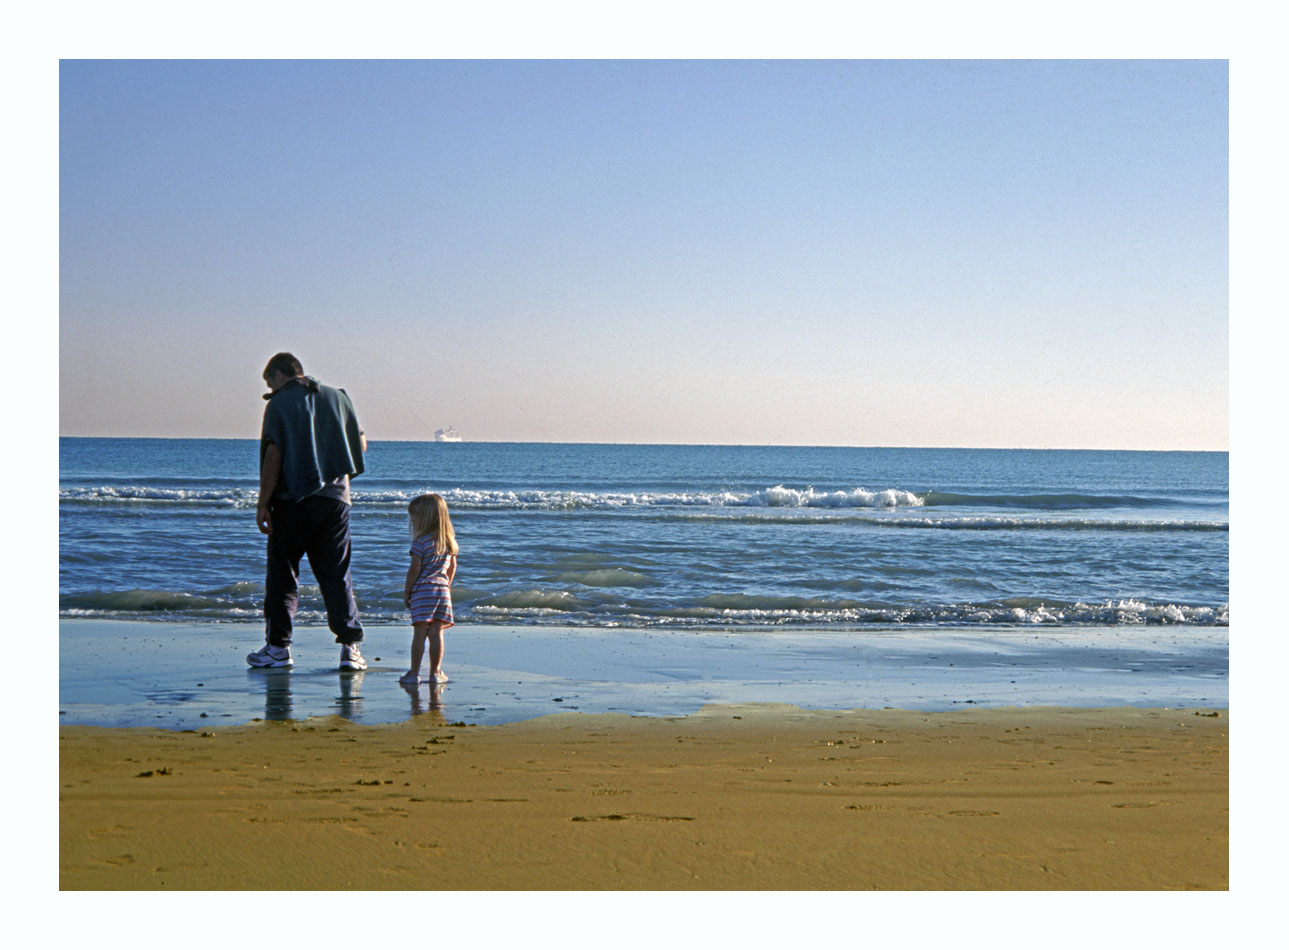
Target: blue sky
{"x": 985, "y": 253}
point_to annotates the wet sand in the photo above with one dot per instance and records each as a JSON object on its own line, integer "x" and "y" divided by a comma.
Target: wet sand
{"x": 732, "y": 796}
{"x": 193, "y": 676}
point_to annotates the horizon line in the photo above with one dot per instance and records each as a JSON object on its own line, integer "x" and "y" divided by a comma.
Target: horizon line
{"x": 754, "y": 445}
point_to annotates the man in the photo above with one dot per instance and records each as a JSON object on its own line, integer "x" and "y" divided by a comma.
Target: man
{"x": 310, "y": 446}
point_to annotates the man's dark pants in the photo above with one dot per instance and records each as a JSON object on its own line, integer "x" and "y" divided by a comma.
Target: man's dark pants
{"x": 319, "y": 528}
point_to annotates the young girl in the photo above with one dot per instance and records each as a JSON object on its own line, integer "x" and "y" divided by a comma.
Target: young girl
{"x": 428, "y": 591}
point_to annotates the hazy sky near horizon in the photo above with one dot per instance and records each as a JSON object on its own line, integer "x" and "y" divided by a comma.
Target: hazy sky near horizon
{"x": 983, "y": 253}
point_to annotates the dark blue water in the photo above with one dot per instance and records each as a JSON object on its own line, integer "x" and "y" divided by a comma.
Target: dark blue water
{"x": 617, "y": 535}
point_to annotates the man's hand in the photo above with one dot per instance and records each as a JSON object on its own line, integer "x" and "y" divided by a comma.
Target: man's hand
{"x": 270, "y": 475}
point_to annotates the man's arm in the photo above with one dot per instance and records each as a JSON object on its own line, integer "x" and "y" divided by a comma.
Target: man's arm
{"x": 270, "y": 475}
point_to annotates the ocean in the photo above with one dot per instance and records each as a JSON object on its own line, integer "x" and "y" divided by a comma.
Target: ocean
{"x": 643, "y": 536}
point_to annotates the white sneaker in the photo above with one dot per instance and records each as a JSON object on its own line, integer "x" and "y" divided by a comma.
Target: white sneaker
{"x": 270, "y": 656}
{"x": 351, "y": 657}
{"x": 410, "y": 679}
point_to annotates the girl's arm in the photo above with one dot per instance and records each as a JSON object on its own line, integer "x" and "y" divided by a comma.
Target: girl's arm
{"x": 452, "y": 569}
{"x": 413, "y": 573}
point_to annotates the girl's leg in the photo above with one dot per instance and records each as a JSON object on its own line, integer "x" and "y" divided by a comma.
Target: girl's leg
{"x": 418, "y": 646}
{"x": 435, "y": 634}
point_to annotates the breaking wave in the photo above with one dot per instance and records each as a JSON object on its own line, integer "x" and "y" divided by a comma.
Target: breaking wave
{"x": 1043, "y": 501}
{"x": 148, "y": 494}
{"x": 242, "y": 603}
{"x": 963, "y": 523}
{"x": 743, "y": 610}
{"x": 777, "y": 496}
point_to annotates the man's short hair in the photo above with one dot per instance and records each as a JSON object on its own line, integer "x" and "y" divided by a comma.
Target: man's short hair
{"x": 283, "y": 363}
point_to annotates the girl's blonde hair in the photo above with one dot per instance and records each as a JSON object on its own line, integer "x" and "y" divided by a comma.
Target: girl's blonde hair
{"x": 429, "y": 514}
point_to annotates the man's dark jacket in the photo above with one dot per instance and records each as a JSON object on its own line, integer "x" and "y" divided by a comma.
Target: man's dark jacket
{"x": 316, "y": 430}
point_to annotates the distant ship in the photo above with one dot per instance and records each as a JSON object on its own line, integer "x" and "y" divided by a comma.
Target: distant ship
{"x": 449, "y": 434}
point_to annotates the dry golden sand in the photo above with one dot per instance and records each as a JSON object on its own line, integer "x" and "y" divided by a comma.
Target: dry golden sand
{"x": 733, "y": 797}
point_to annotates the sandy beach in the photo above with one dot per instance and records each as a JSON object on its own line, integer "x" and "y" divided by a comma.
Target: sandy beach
{"x": 731, "y": 797}
{"x": 561, "y": 759}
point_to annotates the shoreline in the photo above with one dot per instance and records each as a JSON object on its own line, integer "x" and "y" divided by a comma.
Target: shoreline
{"x": 730, "y": 797}
{"x": 193, "y": 675}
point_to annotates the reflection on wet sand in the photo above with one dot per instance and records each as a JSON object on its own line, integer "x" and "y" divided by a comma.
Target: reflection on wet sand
{"x": 277, "y": 692}
{"x": 431, "y": 701}
{"x": 427, "y": 698}
{"x": 351, "y": 685}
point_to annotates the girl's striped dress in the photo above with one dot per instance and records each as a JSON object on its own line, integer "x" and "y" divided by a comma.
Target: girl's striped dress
{"x": 431, "y": 595}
